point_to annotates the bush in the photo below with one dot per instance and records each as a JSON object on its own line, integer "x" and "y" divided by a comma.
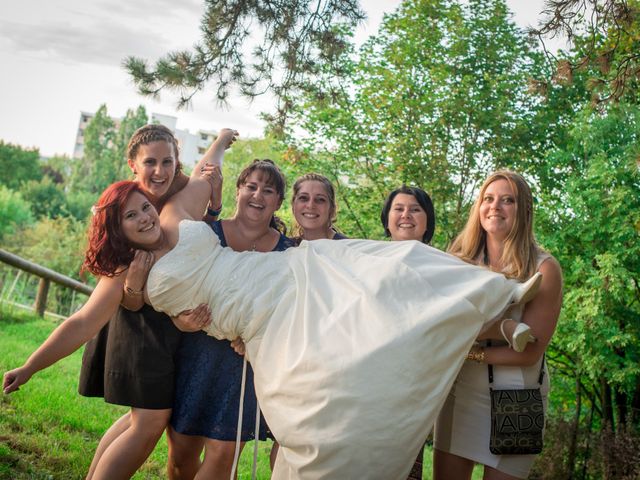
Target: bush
{"x": 14, "y": 211}
{"x": 56, "y": 244}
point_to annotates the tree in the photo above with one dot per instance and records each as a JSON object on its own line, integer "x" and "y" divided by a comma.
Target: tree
{"x": 18, "y": 165}
{"x": 105, "y": 143}
{"x": 439, "y": 97}
{"x": 606, "y": 36}
{"x": 14, "y": 211}
{"x": 591, "y": 222}
{"x": 57, "y": 244}
{"x": 96, "y": 169}
{"x": 295, "y": 36}
{"x": 46, "y": 197}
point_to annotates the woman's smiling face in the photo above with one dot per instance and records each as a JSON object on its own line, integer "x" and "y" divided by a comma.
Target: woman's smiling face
{"x": 155, "y": 168}
{"x": 139, "y": 221}
{"x": 407, "y": 219}
{"x": 498, "y": 208}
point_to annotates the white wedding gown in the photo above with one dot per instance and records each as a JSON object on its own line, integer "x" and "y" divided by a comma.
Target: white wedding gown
{"x": 354, "y": 344}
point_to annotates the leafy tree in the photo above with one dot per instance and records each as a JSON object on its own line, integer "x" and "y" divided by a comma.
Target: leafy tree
{"x": 132, "y": 120}
{"x": 592, "y": 225}
{"x": 59, "y": 168}
{"x": 14, "y": 211}
{"x": 46, "y": 197}
{"x": 95, "y": 170}
{"x": 439, "y": 97}
{"x": 295, "y": 37}
{"x": 18, "y": 165}
{"x": 78, "y": 204}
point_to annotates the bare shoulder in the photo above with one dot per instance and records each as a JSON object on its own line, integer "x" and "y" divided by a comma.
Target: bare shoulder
{"x": 551, "y": 277}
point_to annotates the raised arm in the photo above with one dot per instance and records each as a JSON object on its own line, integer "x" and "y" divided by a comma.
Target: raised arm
{"x": 72, "y": 333}
{"x": 191, "y": 202}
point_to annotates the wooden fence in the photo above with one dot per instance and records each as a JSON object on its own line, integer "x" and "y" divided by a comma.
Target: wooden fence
{"x": 46, "y": 277}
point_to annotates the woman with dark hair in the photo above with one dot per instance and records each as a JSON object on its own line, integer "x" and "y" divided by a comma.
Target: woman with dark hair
{"x": 354, "y": 344}
{"x": 408, "y": 214}
{"x": 498, "y": 235}
{"x": 209, "y": 372}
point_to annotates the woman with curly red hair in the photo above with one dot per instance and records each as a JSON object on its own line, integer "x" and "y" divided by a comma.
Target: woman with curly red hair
{"x": 131, "y": 361}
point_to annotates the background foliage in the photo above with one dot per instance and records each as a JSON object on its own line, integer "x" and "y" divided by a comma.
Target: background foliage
{"x": 444, "y": 93}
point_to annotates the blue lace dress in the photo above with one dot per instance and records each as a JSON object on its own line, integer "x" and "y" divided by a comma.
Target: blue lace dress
{"x": 208, "y": 382}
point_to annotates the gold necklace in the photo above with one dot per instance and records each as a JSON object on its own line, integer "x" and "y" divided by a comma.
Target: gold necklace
{"x": 253, "y": 244}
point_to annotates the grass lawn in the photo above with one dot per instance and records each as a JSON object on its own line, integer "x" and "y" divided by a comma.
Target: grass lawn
{"x": 49, "y": 431}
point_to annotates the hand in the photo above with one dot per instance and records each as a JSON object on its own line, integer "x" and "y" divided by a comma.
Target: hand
{"x": 13, "y": 379}
{"x": 214, "y": 175}
{"x": 139, "y": 270}
{"x": 227, "y": 136}
{"x": 238, "y": 346}
{"x": 193, "y": 320}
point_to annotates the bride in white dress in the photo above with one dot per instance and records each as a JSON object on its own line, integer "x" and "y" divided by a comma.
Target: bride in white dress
{"x": 354, "y": 344}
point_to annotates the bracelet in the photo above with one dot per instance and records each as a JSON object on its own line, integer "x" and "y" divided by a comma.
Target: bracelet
{"x": 476, "y": 355}
{"x": 214, "y": 213}
{"x": 132, "y": 292}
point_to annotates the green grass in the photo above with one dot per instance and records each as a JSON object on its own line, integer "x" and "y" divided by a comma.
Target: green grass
{"x": 49, "y": 431}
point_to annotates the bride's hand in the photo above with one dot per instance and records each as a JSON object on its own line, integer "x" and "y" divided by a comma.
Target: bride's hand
{"x": 193, "y": 320}
{"x": 227, "y": 136}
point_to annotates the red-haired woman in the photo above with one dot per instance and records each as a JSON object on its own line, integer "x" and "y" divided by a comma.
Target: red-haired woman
{"x": 354, "y": 344}
{"x": 131, "y": 362}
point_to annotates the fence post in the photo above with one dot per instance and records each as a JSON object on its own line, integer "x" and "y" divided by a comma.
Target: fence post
{"x": 41, "y": 297}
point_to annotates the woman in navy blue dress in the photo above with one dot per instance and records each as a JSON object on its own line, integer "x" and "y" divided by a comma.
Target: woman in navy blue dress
{"x": 209, "y": 372}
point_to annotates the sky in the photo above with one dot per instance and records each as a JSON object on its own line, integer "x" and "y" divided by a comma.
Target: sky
{"x": 61, "y": 57}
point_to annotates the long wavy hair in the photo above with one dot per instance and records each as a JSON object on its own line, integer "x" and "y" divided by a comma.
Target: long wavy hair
{"x": 109, "y": 251}
{"x": 520, "y": 253}
{"x": 272, "y": 176}
{"x": 297, "y": 231}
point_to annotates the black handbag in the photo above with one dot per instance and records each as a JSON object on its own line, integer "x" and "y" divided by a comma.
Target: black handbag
{"x": 517, "y": 419}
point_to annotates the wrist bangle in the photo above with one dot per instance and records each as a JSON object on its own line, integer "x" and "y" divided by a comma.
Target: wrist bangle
{"x": 214, "y": 213}
{"x": 132, "y": 292}
{"x": 476, "y": 355}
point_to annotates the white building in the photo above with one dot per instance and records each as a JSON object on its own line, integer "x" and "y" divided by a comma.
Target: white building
{"x": 192, "y": 145}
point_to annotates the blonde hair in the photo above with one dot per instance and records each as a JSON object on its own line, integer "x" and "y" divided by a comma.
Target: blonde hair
{"x": 520, "y": 253}
{"x": 297, "y": 230}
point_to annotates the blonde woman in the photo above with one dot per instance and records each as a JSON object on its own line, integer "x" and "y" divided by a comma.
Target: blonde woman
{"x": 498, "y": 234}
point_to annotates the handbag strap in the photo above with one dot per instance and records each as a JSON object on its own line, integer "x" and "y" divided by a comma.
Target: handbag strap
{"x": 540, "y": 376}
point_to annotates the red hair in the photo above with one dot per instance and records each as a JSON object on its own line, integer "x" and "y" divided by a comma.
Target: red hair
{"x": 109, "y": 250}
